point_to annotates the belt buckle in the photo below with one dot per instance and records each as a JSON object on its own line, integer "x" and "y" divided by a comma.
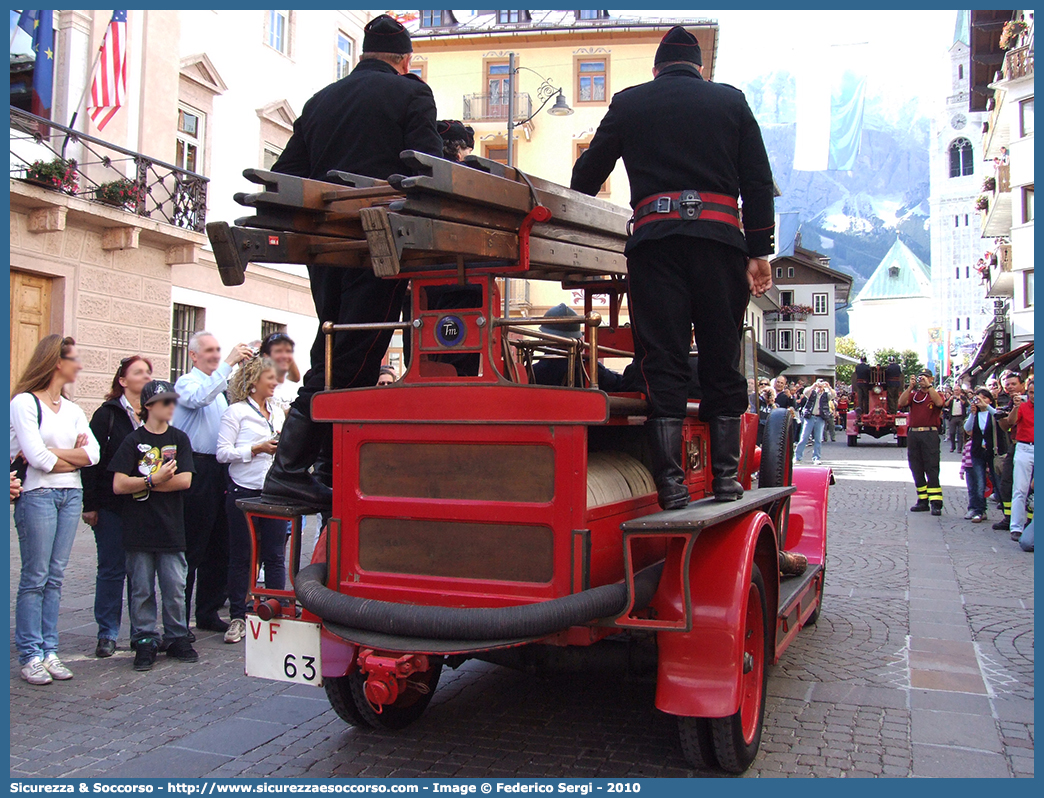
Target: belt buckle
{"x": 663, "y": 205}
{"x": 690, "y": 205}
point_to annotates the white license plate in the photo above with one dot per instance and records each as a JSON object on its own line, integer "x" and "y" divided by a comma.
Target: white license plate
{"x": 283, "y": 650}
{"x": 900, "y": 422}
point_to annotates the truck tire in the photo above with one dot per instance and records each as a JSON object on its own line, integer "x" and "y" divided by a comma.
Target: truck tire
{"x": 349, "y": 701}
{"x": 738, "y": 737}
{"x": 339, "y": 694}
{"x": 777, "y": 462}
{"x": 697, "y": 743}
{"x": 853, "y": 440}
{"x": 900, "y": 442}
{"x": 777, "y": 450}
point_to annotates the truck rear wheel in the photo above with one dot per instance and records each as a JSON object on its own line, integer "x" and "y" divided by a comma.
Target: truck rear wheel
{"x": 900, "y": 442}
{"x": 853, "y": 440}
{"x": 697, "y": 743}
{"x": 738, "y": 737}
{"x": 777, "y": 462}
{"x": 349, "y": 701}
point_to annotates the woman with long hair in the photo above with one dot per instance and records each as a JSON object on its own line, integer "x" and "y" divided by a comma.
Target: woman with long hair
{"x": 246, "y": 441}
{"x": 112, "y": 422}
{"x": 52, "y": 435}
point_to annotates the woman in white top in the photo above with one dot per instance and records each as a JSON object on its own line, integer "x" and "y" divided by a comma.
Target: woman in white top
{"x": 53, "y": 436}
{"x": 246, "y": 441}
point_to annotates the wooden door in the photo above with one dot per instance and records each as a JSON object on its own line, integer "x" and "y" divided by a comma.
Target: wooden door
{"x": 498, "y": 80}
{"x": 30, "y": 317}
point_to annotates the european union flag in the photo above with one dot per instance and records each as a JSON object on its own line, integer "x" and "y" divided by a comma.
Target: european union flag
{"x": 40, "y": 25}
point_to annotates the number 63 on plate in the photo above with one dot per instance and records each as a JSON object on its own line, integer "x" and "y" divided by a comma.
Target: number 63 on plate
{"x": 284, "y": 650}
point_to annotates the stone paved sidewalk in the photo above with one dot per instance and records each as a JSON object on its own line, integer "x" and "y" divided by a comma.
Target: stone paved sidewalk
{"x": 921, "y": 664}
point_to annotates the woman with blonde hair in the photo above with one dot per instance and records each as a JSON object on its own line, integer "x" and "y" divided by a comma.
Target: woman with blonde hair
{"x": 246, "y": 441}
{"x": 51, "y": 439}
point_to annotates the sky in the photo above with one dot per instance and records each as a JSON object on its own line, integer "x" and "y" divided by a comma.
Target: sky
{"x": 906, "y": 50}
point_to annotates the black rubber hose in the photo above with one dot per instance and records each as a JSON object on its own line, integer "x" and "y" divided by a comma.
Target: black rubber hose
{"x": 456, "y": 623}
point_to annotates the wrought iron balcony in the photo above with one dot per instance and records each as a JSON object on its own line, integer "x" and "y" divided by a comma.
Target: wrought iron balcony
{"x": 494, "y": 107}
{"x": 154, "y": 189}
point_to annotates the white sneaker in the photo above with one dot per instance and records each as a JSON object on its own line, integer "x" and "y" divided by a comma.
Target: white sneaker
{"x": 816, "y": 461}
{"x": 56, "y": 668}
{"x": 968, "y": 516}
{"x": 34, "y": 672}
{"x": 236, "y": 631}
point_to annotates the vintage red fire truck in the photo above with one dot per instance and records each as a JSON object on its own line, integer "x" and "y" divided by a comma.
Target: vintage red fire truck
{"x": 876, "y": 420}
{"x": 486, "y": 517}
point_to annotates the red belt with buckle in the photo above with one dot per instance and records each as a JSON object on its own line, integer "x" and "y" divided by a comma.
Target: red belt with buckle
{"x": 688, "y": 205}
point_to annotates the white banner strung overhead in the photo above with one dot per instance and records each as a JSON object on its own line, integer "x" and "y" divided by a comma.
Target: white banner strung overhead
{"x": 831, "y": 88}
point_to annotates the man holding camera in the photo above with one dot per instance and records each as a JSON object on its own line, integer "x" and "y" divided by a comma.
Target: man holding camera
{"x": 922, "y": 447}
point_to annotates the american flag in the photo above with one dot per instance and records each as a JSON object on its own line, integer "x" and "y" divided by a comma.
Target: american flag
{"x": 109, "y": 85}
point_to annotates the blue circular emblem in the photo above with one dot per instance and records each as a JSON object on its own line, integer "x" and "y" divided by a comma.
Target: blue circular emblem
{"x": 450, "y": 331}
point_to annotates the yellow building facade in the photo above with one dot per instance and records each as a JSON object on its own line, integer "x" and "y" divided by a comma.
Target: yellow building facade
{"x": 466, "y": 64}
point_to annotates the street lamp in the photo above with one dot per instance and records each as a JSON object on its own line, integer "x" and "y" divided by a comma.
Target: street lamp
{"x": 545, "y": 91}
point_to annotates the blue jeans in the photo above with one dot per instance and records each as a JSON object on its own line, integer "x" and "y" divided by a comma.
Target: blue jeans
{"x": 46, "y": 520}
{"x": 112, "y": 575}
{"x": 143, "y": 567}
{"x": 814, "y": 426}
{"x": 271, "y": 539}
{"x": 975, "y": 479}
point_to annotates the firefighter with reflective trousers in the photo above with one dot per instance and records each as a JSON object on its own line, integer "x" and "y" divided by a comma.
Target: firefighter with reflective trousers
{"x": 922, "y": 447}
{"x": 691, "y": 149}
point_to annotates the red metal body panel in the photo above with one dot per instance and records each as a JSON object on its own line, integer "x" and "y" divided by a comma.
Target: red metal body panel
{"x": 462, "y": 404}
{"x": 807, "y": 527}
{"x": 565, "y": 512}
{"x": 699, "y": 671}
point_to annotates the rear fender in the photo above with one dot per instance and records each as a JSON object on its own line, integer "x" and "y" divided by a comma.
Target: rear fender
{"x": 807, "y": 529}
{"x": 902, "y": 424}
{"x": 852, "y": 423}
{"x": 699, "y": 671}
{"x": 338, "y": 655}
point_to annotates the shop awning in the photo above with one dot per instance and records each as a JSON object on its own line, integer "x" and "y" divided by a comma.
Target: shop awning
{"x": 1019, "y": 358}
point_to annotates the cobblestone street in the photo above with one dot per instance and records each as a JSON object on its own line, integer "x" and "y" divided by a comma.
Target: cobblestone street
{"x": 921, "y": 664}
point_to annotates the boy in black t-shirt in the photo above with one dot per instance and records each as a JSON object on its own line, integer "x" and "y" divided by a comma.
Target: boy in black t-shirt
{"x": 151, "y": 469}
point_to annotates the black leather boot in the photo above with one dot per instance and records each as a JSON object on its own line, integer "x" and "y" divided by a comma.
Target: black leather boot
{"x": 288, "y": 478}
{"x": 665, "y": 438}
{"x": 724, "y": 454}
{"x": 323, "y": 470}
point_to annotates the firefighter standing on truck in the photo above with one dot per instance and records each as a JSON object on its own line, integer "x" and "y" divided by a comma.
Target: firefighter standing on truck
{"x": 690, "y": 147}
{"x": 359, "y": 124}
{"x": 922, "y": 441}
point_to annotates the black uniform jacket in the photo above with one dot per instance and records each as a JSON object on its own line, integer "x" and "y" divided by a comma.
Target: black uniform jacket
{"x": 678, "y": 132}
{"x": 862, "y": 374}
{"x": 893, "y": 374}
{"x": 360, "y": 124}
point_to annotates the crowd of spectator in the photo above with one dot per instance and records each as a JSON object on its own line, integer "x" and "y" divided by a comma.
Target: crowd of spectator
{"x": 149, "y": 451}
{"x": 996, "y": 444}
{"x": 818, "y": 410}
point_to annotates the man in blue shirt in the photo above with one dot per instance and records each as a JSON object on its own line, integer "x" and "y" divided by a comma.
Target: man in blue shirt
{"x": 201, "y": 403}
